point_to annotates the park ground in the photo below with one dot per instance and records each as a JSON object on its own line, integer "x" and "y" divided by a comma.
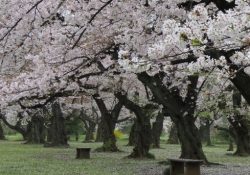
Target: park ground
{"x": 17, "y": 158}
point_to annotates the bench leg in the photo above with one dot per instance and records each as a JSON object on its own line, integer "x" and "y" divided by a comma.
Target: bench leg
{"x": 192, "y": 169}
{"x": 177, "y": 168}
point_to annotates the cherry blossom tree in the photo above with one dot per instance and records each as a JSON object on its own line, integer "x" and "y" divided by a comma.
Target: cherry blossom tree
{"x": 52, "y": 48}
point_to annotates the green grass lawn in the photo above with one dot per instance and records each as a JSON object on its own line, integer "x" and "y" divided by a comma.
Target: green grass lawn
{"x": 21, "y": 159}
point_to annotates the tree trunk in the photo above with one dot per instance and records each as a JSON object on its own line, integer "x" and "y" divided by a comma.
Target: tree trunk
{"x": 90, "y": 129}
{"x": 99, "y": 133}
{"x": 231, "y": 144}
{"x": 188, "y": 134}
{"x": 240, "y": 127}
{"x": 36, "y": 131}
{"x": 209, "y": 142}
{"x": 109, "y": 140}
{"x": 131, "y": 140}
{"x": 57, "y": 129}
{"x": 205, "y": 132}
{"x": 173, "y": 136}
{"x": 109, "y": 121}
{"x": 143, "y": 132}
{"x": 157, "y": 130}
{"x": 142, "y": 138}
{"x": 2, "y": 137}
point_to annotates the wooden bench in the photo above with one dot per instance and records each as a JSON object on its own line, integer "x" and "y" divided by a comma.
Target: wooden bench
{"x": 83, "y": 153}
{"x": 185, "y": 166}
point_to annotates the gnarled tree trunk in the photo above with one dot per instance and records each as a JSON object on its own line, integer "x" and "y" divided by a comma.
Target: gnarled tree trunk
{"x": 143, "y": 132}
{"x": 57, "y": 130}
{"x": 36, "y": 131}
{"x": 109, "y": 140}
{"x": 189, "y": 138}
{"x": 109, "y": 120}
{"x": 143, "y": 138}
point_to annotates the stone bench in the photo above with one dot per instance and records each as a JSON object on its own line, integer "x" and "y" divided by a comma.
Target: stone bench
{"x": 185, "y": 166}
{"x": 83, "y": 153}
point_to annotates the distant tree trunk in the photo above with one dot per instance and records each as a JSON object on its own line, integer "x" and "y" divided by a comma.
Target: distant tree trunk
{"x": 143, "y": 132}
{"x": 231, "y": 135}
{"x": 131, "y": 140}
{"x": 57, "y": 128}
{"x": 209, "y": 142}
{"x": 2, "y": 137}
{"x": 157, "y": 130}
{"x": 76, "y": 136}
{"x": 205, "y": 131}
{"x": 49, "y": 133}
{"x": 173, "y": 136}
{"x": 90, "y": 128}
{"x": 36, "y": 131}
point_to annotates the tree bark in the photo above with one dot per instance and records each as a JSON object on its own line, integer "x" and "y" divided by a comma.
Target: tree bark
{"x": 157, "y": 130}
{"x": 57, "y": 129}
{"x": 143, "y": 132}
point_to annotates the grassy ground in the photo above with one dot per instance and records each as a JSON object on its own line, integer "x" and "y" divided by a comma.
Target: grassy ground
{"x": 20, "y": 159}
